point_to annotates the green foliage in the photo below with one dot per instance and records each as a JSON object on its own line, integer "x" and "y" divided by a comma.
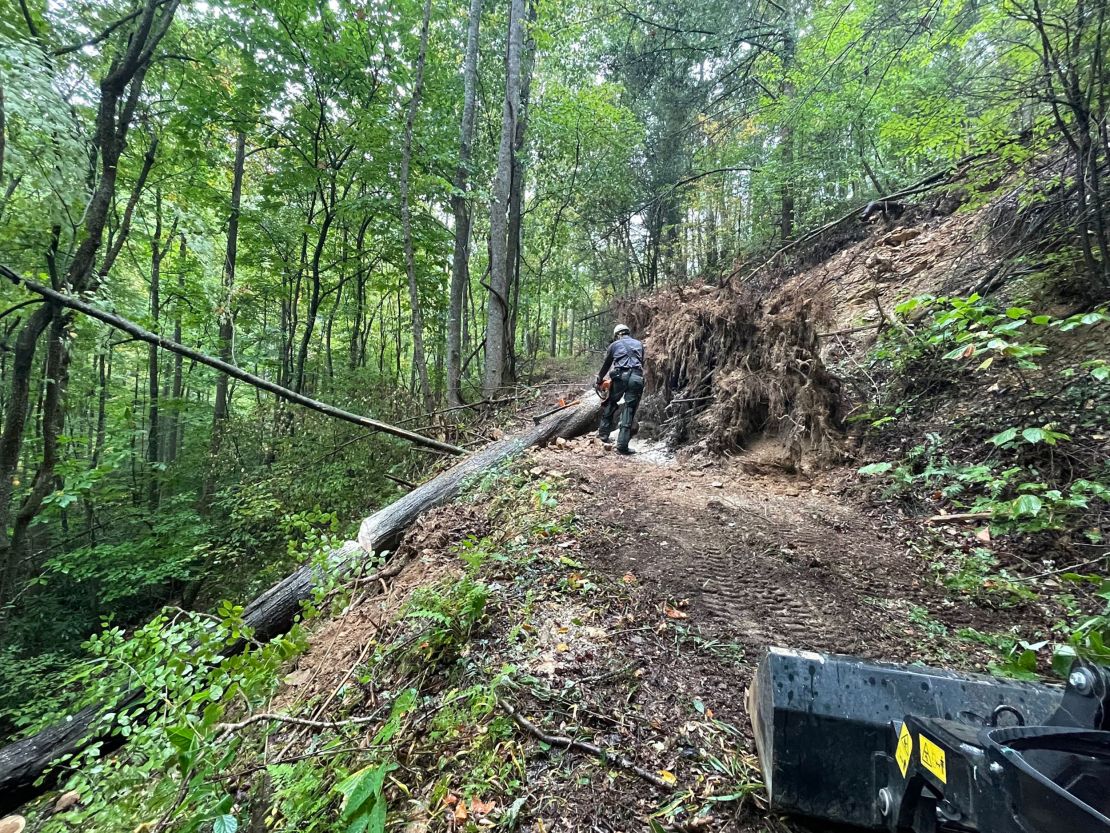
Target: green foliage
{"x": 448, "y": 615}
{"x": 965, "y": 329}
{"x": 481, "y": 738}
{"x": 169, "y": 686}
{"x": 1090, "y": 637}
{"x": 1010, "y": 495}
{"x": 1019, "y": 491}
{"x": 303, "y": 795}
{"x": 364, "y": 805}
{"x": 976, "y": 574}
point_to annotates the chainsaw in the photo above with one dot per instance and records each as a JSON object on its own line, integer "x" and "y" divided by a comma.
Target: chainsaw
{"x": 603, "y": 389}
{"x": 910, "y": 749}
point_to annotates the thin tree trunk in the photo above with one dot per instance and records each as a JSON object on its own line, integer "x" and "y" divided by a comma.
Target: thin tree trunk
{"x": 460, "y": 273}
{"x": 786, "y": 214}
{"x": 227, "y": 317}
{"x": 173, "y": 441}
{"x": 153, "y": 437}
{"x": 418, "y": 359}
{"x": 498, "y": 303}
{"x": 53, "y": 419}
{"x": 516, "y": 200}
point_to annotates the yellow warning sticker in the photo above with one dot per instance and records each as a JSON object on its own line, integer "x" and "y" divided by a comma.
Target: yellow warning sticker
{"x": 905, "y": 749}
{"x": 932, "y": 758}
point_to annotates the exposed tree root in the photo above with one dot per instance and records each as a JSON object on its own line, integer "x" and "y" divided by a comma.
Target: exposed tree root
{"x": 564, "y": 742}
{"x": 741, "y": 367}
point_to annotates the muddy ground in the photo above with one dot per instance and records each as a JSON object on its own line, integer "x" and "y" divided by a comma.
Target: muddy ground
{"x": 772, "y": 559}
{"x": 719, "y": 563}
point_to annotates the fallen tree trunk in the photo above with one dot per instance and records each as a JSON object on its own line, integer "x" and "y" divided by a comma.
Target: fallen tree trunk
{"x": 235, "y": 372}
{"x": 24, "y": 762}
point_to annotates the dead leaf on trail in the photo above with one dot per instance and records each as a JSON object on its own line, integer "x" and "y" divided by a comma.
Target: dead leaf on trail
{"x": 460, "y": 811}
{"x": 562, "y": 647}
{"x": 668, "y": 777}
{"x": 629, "y": 578}
{"x": 481, "y": 808}
{"x": 984, "y": 535}
{"x": 674, "y": 613}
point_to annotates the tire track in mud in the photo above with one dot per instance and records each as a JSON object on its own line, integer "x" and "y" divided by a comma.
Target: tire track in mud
{"x": 760, "y": 562}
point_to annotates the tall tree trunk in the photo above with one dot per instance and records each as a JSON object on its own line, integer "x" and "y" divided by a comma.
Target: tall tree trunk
{"x": 103, "y": 367}
{"x": 153, "y": 438}
{"x": 173, "y": 441}
{"x": 460, "y": 274}
{"x": 786, "y": 217}
{"x": 498, "y": 302}
{"x": 329, "y": 210}
{"x": 786, "y": 213}
{"x": 516, "y": 201}
{"x": 56, "y": 373}
{"x": 420, "y": 364}
{"x": 227, "y": 317}
{"x": 120, "y": 91}
{"x": 360, "y": 328}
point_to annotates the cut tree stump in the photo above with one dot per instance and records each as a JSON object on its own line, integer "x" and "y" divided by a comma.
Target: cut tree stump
{"x": 22, "y": 763}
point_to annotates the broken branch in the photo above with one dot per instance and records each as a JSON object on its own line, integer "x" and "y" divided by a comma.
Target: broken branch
{"x": 959, "y": 516}
{"x": 563, "y": 742}
{"x": 61, "y": 299}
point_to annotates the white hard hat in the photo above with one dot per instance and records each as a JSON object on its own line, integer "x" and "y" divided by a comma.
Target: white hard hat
{"x": 620, "y": 328}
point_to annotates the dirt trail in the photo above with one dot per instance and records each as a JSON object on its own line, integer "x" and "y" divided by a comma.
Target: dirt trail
{"x": 769, "y": 558}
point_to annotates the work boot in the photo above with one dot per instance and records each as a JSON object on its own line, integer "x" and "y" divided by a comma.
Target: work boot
{"x": 605, "y": 439}
{"x": 624, "y": 436}
{"x": 625, "y": 450}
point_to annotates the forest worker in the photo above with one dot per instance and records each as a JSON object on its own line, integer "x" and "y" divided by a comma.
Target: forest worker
{"x": 624, "y": 362}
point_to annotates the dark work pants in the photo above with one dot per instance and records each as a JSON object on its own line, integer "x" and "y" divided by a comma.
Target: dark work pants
{"x": 630, "y": 385}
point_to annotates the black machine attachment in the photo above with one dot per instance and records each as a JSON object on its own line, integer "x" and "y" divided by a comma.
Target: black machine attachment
{"x": 911, "y": 749}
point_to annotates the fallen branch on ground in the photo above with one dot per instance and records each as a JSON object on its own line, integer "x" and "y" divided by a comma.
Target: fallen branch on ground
{"x": 622, "y": 761}
{"x": 960, "y": 516}
{"x": 228, "y": 729}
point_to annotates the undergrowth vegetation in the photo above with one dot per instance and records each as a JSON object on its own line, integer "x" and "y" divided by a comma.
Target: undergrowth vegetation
{"x": 424, "y": 727}
{"x": 1015, "y": 406}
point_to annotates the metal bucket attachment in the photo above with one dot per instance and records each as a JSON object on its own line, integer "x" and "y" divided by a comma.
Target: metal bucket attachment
{"x": 826, "y": 725}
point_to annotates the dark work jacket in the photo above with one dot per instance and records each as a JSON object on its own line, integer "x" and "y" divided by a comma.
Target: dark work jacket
{"x": 623, "y": 354}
